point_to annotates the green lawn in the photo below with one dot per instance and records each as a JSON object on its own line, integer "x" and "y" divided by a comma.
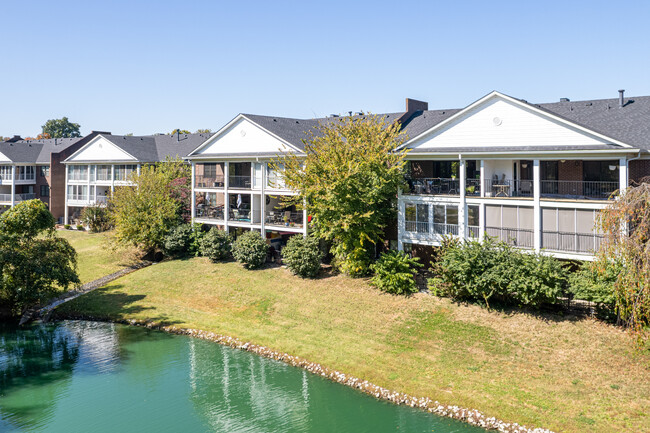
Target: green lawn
{"x": 95, "y": 258}
{"x": 562, "y": 374}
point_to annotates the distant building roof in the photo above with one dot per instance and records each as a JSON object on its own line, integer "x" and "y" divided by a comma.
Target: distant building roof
{"x": 35, "y": 151}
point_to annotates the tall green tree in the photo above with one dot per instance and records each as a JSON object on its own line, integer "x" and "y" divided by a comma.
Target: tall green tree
{"x": 349, "y": 179}
{"x": 157, "y": 201}
{"x": 180, "y": 131}
{"x": 34, "y": 262}
{"x": 626, "y": 224}
{"x": 61, "y": 128}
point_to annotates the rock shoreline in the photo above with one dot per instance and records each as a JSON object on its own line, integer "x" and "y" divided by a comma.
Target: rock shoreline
{"x": 470, "y": 416}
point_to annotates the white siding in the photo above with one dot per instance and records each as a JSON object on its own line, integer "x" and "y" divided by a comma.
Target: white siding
{"x": 3, "y": 158}
{"x": 519, "y": 126}
{"x": 100, "y": 149}
{"x": 244, "y": 137}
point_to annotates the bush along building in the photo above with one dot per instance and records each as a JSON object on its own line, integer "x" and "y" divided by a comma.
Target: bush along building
{"x": 32, "y": 169}
{"x": 532, "y": 175}
{"x": 106, "y": 161}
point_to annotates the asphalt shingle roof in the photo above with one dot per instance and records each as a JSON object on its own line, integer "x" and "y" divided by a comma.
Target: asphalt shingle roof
{"x": 35, "y": 151}
{"x": 152, "y": 148}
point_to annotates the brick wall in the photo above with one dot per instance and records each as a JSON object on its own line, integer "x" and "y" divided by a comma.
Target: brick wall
{"x": 639, "y": 169}
{"x": 421, "y": 169}
{"x": 40, "y": 180}
{"x": 571, "y": 171}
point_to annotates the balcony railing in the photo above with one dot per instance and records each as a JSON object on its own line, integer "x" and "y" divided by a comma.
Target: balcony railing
{"x": 445, "y": 229}
{"x": 209, "y": 212}
{"x": 416, "y": 226}
{"x": 239, "y": 215}
{"x": 434, "y": 186}
{"x": 586, "y": 243}
{"x": 210, "y": 181}
{"x": 473, "y": 232}
{"x": 235, "y": 181}
{"x": 599, "y": 190}
{"x": 101, "y": 199}
{"x": 509, "y": 188}
{"x": 284, "y": 218}
{"x": 520, "y": 238}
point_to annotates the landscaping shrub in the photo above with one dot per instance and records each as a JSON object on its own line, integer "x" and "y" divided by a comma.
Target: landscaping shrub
{"x": 216, "y": 245}
{"x": 67, "y": 226}
{"x": 594, "y": 282}
{"x": 394, "y": 273}
{"x": 80, "y": 227}
{"x": 302, "y": 256}
{"x": 496, "y": 271}
{"x": 183, "y": 240}
{"x": 250, "y": 249}
{"x": 96, "y": 218}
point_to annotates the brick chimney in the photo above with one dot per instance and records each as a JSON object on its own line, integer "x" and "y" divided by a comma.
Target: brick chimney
{"x": 413, "y": 106}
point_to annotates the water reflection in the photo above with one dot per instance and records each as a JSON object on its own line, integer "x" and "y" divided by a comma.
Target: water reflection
{"x": 84, "y": 376}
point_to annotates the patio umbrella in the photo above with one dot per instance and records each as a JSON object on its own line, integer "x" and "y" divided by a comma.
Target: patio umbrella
{"x": 238, "y": 200}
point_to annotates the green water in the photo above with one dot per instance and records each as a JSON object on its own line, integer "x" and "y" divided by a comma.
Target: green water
{"x": 99, "y": 377}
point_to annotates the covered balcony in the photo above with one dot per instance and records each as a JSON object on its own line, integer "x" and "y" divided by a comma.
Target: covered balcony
{"x": 443, "y": 178}
{"x": 577, "y": 179}
{"x": 277, "y": 214}
{"x": 239, "y": 175}
{"x": 209, "y": 205}
{"x": 209, "y": 175}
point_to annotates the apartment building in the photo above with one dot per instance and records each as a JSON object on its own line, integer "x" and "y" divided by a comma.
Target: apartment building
{"x": 234, "y": 183}
{"x": 107, "y": 161}
{"x": 532, "y": 175}
{"x": 32, "y": 169}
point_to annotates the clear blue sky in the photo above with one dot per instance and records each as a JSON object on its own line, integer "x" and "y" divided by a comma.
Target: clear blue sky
{"x": 152, "y": 66}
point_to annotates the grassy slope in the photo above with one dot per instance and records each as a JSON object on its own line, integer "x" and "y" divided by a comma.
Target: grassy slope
{"x": 95, "y": 258}
{"x": 568, "y": 375}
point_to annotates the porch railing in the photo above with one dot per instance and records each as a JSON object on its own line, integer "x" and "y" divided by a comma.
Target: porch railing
{"x": 520, "y": 238}
{"x": 473, "y": 232}
{"x": 210, "y": 181}
{"x": 209, "y": 212}
{"x": 239, "y": 215}
{"x": 445, "y": 229}
{"x": 434, "y": 186}
{"x": 601, "y": 190}
{"x": 236, "y": 181}
{"x": 416, "y": 226}
{"x": 509, "y": 188}
{"x": 586, "y": 243}
{"x": 283, "y": 218}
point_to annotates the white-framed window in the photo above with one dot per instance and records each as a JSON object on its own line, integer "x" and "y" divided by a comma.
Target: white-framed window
{"x": 25, "y": 172}
{"x": 274, "y": 177}
{"x": 416, "y": 218}
{"x": 445, "y": 219}
{"x": 103, "y": 173}
{"x": 78, "y": 192}
{"x": 5, "y": 172}
{"x": 78, "y": 172}
{"x": 123, "y": 172}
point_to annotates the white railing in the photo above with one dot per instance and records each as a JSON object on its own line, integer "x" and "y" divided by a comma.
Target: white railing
{"x": 284, "y": 218}
{"x": 585, "y": 243}
{"x": 17, "y": 197}
{"x": 520, "y": 238}
{"x": 416, "y": 226}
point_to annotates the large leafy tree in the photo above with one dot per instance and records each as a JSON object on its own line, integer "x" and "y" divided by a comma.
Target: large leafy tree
{"x": 34, "y": 262}
{"x": 61, "y": 128}
{"x": 349, "y": 179}
{"x": 158, "y": 200}
{"x": 626, "y": 223}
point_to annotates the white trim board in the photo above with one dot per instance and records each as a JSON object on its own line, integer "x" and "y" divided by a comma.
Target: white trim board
{"x": 100, "y": 149}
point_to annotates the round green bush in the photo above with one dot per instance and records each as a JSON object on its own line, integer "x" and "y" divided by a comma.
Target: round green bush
{"x": 250, "y": 249}
{"x": 216, "y": 245}
{"x": 302, "y": 256}
{"x": 395, "y": 273}
{"x": 178, "y": 241}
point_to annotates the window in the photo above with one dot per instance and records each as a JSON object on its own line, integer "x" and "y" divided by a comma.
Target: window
{"x": 45, "y": 191}
{"x": 78, "y": 172}
{"x": 123, "y": 172}
{"x": 78, "y": 192}
{"x": 25, "y": 172}
{"x": 45, "y": 170}
{"x": 445, "y": 219}
{"x": 5, "y": 172}
{"x": 103, "y": 173}
{"x": 274, "y": 178}
{"x": 417, "y": 218}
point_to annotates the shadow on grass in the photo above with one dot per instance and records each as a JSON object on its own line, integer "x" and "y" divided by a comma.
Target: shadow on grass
{"x": 546, "y": 313}
{"x": 112, "y": 304}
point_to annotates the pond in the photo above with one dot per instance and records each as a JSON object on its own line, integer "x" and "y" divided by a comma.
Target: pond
{"x": 101, "y": 377}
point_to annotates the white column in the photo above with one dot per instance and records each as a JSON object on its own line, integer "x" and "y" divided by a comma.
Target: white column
{"x": 226, "y": 198}
{"x": 622, "y": 174}
{"x": 192, "y": 193}
{"x": 88, "y": 184}
{"x": 13, "y": 185}
{"x": 482, "y": 180}
{"x": 263, "y": 199}
{"x": 462, "y": 206}
{"x": 400, "y": 220}
{"x": 481, "y": 222}
{"x": 65, "y": 202}
{"x": 112, "y": 177}
{"x": 537, "y": 215}
{"x": 137, "y": 169}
